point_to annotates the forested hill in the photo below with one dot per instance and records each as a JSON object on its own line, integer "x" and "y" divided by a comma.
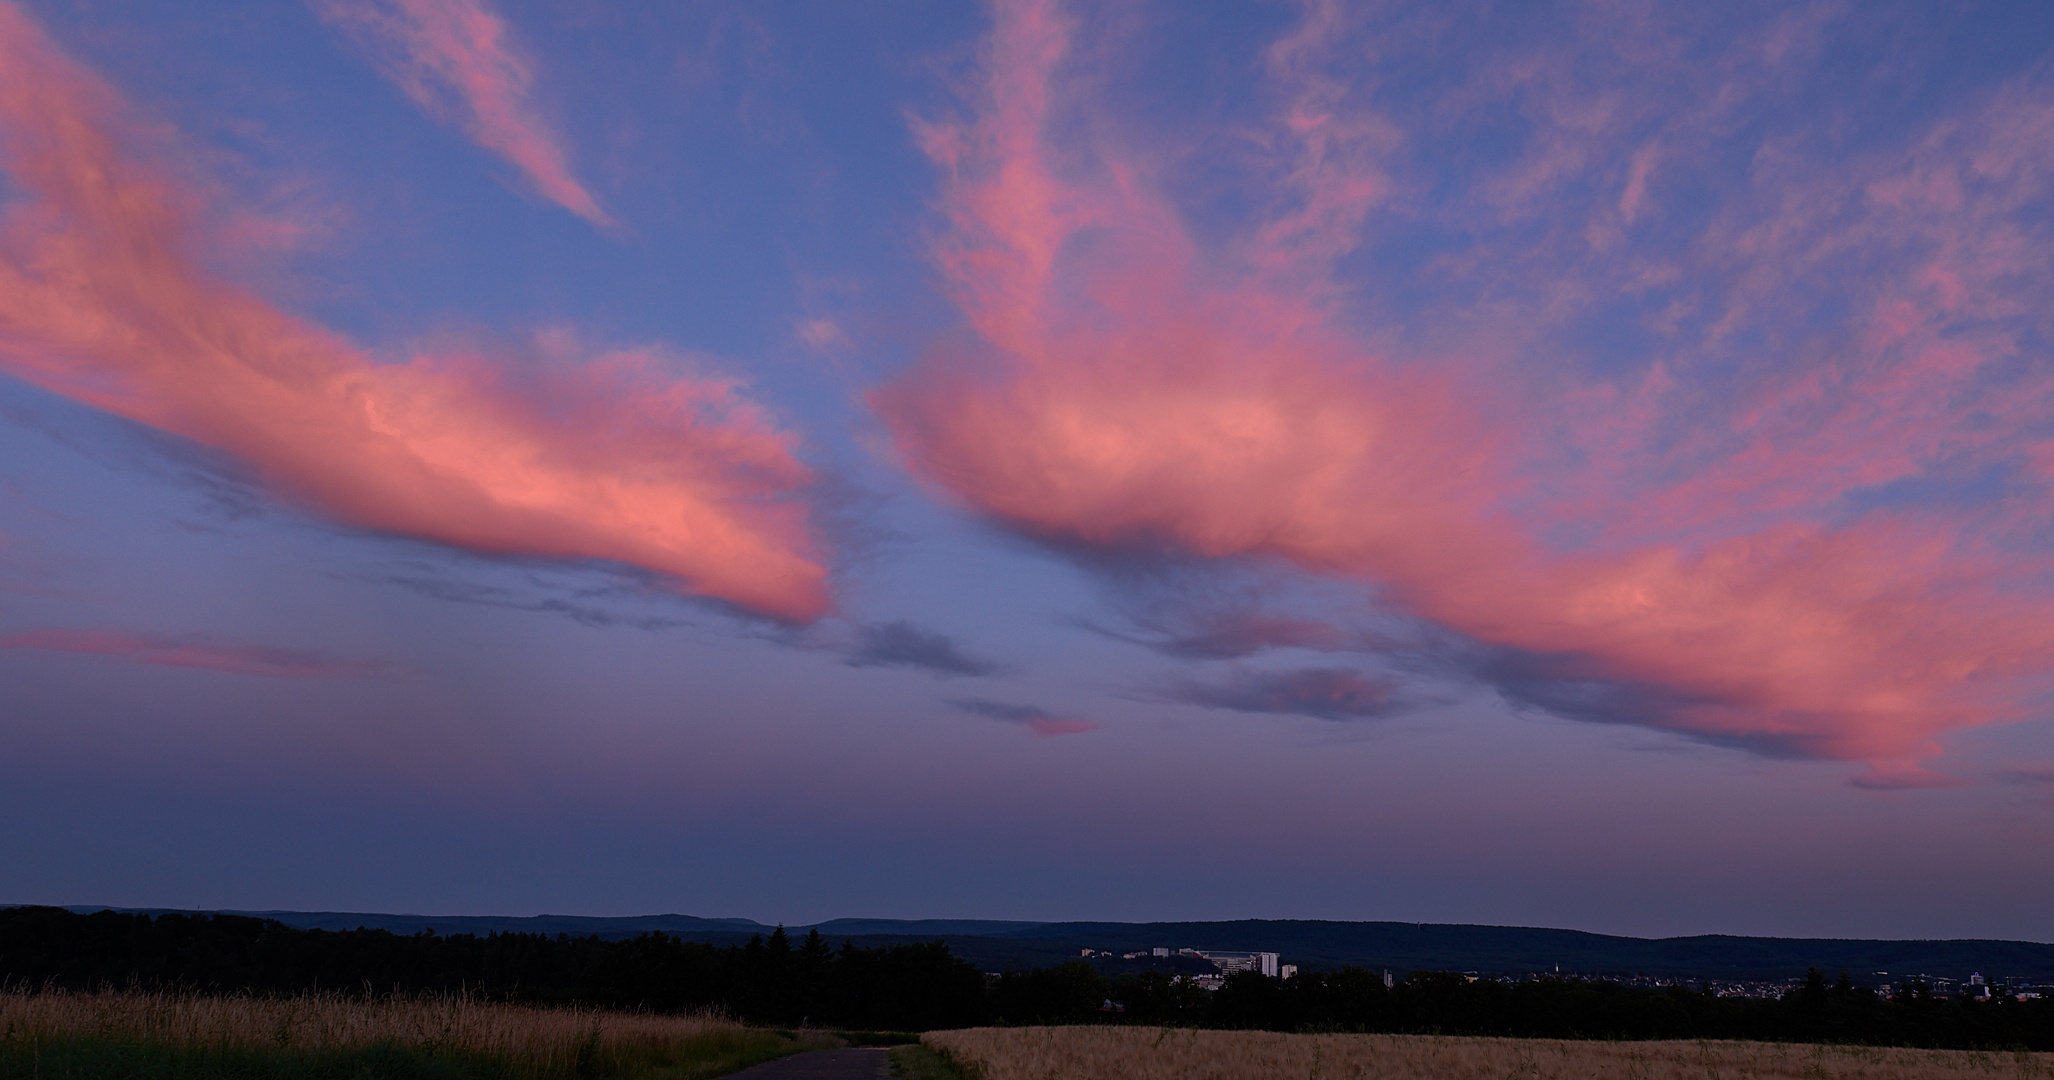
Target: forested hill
{"x": 1311, "y": 944}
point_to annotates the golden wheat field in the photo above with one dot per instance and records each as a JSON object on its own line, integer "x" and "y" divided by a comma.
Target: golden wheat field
{"x": 1100, "y": 1053}
{"x": 539, "y": 1042}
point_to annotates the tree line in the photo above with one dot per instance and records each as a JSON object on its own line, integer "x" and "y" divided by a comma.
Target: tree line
{"x": 776, "y": 980}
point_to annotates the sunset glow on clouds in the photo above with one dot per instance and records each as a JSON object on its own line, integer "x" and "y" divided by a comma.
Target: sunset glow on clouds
{"x": 1395, "y": 438}
{"x": 1128, "y": 386}
{"x": 101, "y": 298}
{"x": 452, "y": 57}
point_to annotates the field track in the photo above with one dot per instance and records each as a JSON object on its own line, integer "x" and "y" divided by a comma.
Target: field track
{"x": 1125, "y": 1053}
{"x": 855, "y": 1064}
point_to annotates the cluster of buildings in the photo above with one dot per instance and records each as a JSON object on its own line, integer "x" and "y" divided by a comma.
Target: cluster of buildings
{"x": 1976, "y": 986}
{"x": 1266, "y": 963}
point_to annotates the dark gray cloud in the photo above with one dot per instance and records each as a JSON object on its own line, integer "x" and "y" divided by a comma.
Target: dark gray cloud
{"x": 1200, "y": 609}
{"x": 1571, "y": 686}
{"x": 1574, "y": 686}
{"x": 999, "y": 710}
{"x": 618, "y": 605}
{"x": 1325, "y": 693}
{"x": 1194, "y": 610}
{"x": 226, "y": 491}
{"x": 1190, "y": 615}
{"x": 902, "y": 644}
{"x": 1223, "y": 635}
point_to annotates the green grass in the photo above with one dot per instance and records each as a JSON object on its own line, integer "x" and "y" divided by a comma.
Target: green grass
{"x": 917, "y": 1062}
{"x": 108, "y": 1058}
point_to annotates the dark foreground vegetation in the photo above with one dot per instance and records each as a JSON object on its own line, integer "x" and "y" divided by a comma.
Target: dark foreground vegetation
{"x": 96, "y": 1057}
{"x": 771, "y": 980}
{"x": 136, "y": 1034}
{"x": 779, "y": 981}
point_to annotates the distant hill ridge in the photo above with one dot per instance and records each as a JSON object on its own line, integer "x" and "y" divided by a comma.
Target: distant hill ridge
{"x": 1312, "y": 944}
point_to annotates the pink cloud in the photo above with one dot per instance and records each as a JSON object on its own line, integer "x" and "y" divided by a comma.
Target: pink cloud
{"x": 1137, "y": 390}
{"x": 190, "y": 653}
{"x": 613, "y": 457}
{"x": 1038, "y": 722}
{"x": 452, "y": 57}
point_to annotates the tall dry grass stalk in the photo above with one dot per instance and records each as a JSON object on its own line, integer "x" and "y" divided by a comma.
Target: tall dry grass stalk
{"x": 1091, "y": 1053}
{"x": 538, "y": 1042}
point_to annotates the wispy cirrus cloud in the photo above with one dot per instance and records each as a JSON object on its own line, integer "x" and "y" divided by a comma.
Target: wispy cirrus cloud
{"x": 192, "y": 652}
{"x": 1694, "y": 538}
{"x": 625, "y": 455}
{"x": 453, "y": 58}
{"x": 1038, "y": 721}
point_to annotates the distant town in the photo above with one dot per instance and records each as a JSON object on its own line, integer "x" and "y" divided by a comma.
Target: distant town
{"x": 1266, "y": 963}
{"x": 1883, "y": 983}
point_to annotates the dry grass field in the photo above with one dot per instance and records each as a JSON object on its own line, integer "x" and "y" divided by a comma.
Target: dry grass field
{"x": 515, "y": 1041}
{"x": 1106, "y": 1053}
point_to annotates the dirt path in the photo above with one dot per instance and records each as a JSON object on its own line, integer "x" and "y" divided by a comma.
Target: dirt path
{"x": 859, "y": 1064}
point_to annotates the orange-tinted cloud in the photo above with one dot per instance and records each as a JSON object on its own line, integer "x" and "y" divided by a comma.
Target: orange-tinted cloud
{"x": 616, "y": 457}
{"x": 452, "y": 57}
{"x": 190, "y": 653}
{"x": 1124, "y": 386}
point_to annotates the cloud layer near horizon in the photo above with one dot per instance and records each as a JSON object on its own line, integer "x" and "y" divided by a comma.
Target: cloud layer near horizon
{"x": 164, "y": 651}
{"x": 1718, "y": 541}
{"x": 1038, "y": 721}
{"x": 614, "y": 456}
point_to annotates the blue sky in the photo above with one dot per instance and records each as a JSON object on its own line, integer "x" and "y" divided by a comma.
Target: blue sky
{"x": 1563, "y": 466}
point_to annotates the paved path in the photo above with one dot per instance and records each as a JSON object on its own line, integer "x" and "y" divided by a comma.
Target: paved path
{"x": 857, "y": 1064}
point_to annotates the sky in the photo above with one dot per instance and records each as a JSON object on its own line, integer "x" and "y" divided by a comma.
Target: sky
{"x": 1556, "y": 464}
